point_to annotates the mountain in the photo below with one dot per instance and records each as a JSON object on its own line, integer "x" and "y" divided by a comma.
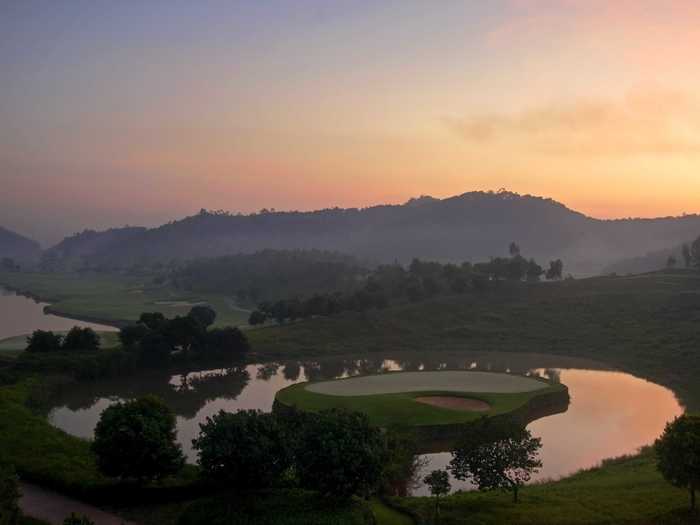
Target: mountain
{"x": 18, "y": 248}
{"x": 473, "y": 226}
{"x": 649, "y": 262}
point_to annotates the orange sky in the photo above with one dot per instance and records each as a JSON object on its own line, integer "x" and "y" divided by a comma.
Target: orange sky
{"x": 139, "y": 114}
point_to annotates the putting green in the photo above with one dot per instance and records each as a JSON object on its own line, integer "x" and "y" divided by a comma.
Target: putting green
{"x": 399, "y": 398}
{"x": 447, "y": 381}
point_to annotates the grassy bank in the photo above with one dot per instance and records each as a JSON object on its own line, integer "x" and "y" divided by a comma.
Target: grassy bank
{"x": 114, "y": 299}
{"x": 627, "y": 490}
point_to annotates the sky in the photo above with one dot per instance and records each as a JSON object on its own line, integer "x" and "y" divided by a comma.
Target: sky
{"x": 131, "y": 112}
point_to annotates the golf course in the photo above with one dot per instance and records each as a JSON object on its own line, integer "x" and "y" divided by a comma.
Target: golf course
{"x": 425, "y": 399}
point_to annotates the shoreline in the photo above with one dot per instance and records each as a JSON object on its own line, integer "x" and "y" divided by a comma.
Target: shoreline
{"x": 50, "y": 310}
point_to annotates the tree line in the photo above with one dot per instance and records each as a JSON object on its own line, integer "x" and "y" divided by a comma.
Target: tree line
{"x": 158, "y": 339}
{"x": 394, "y": 283}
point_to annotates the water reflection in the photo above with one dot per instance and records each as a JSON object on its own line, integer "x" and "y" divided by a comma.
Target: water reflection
{"x": 21, "y": 315}
{"x": 611, "y": 413}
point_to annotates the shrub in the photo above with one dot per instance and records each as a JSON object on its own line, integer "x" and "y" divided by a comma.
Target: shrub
{"x": 74, "y": 519}
{"x": 9, "y": 496}
{"x": 136, "y": 440}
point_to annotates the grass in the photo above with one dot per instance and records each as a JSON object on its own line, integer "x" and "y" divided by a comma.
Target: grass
{"x": 114, "y": 299}
{"x": 385, "y": 515}
{"x": 386, "y": 410}
{"x": 108, "y": 340}
{"x": 276, "y": 507}
{"x": 622, "y": 491}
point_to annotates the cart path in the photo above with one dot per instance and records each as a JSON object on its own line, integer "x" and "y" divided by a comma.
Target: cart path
{"x": 53, "y": 507}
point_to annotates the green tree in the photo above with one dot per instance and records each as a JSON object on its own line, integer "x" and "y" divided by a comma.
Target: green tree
{"x": 136, "y": 440}
{"x": 402, "y": 465}
{"x": 81, "y": 339}
{"x": 687, "y": 258}
{"x": 153, "y": 320}
{"x": 205, "y": 315}
{"x": 256, "y": 317}
{"x": 339, "y": 454}
{"x": 514, "y": 249}
{"x": 42, "y": 341}
{"x": 245, "y": 449}
{"x": 438, "y": 481}
{"x": 9, "y": 496}
{"x": 131, "y": 335}
{"x": 678, "y": 453}
{"x": 671, "y": 262}
{"x": 555, "y": 271}
{"x": 534, "y": 271}
{"x": 155, "y": 349}
{"x": 224, "y": 342}
{"x": 74, "y": 519}
{"x": 695, "y": 253}
{"x": 497, "y": 456}
{"x": 184, "y": 333}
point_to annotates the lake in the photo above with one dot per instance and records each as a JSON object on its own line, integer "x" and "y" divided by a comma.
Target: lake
{"x": 21, "y": 315}
{"x": 611, "y": 412}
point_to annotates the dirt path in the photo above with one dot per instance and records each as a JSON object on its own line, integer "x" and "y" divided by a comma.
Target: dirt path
{"x": 52, "y": 507}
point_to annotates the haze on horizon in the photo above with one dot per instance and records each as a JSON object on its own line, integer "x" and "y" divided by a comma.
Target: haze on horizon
{"x": 120, "y": 113}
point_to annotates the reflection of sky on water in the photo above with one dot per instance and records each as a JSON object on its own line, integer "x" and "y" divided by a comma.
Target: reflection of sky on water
{"x": 611, "y": 413}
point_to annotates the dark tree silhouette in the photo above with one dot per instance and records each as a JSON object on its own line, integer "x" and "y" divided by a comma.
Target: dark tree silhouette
{"x": 438, "y": 482}
{"x": 42, "y": 341}
{"x": 81, "y": 339}
{"x": 678, "y": 452}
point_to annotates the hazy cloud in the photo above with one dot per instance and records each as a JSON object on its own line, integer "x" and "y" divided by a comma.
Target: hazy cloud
{"x": 647, "y": 123}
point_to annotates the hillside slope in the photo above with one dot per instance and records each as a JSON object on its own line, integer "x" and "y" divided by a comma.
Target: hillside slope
{"x": 473, "y": 226}
{"x": 17, "y": 247}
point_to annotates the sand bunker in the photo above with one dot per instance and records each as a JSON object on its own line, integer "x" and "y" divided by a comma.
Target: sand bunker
{"x": 444, "y": 381}
{"x": 463, "y": 404}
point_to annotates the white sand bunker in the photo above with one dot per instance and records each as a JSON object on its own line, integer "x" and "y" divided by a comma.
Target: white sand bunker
{"x": 463, "y": 404}
{"x": 446, "y": 381}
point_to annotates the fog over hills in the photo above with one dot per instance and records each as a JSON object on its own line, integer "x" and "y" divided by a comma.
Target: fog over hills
{"x": 473, "y": 226}
{"x": 18, "y": 247}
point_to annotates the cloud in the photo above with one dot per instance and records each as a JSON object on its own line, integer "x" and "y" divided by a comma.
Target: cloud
{"x": 656, "y": 123}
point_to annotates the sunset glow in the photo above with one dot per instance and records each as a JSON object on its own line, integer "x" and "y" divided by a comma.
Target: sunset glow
{"x": 148, "y": 111}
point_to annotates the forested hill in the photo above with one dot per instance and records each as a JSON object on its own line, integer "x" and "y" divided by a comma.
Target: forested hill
{"x": 473, "y": 226}
{"x": 18, "y": 248}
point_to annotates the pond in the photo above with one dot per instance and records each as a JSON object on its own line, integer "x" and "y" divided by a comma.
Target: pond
{"x": 21, "y": 315}
{"x": 611, "y": 412}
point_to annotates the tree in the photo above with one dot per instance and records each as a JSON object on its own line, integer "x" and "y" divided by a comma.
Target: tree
{"x": 497, "y": 456}
{"x": 155, "y": 349}
{"x": 9, "y": 264}
{"x": 402, "y": 465}
{"x": 438, "y": 482}
{"x": 555, "y": 271}
{"x": 153, "y": 320}
{"x": 42, "y": 341}
{"x": 245, "y": 449}
{"x": 339, "y": 454}
{"x": 184, "y": 333}
{"x": 81, "y": 339}
{"x": 136, "y": 440}
{"x": 229, "y": 341}
{"x": 695, "y": 253}
{"x": 514, "y": 249}
{"x": 678, "y": 453}
{"x": 671, "y": 262}
{"x": 534, "y": 271}
{"x": 256, "y": 317}
{"x": 74, "y": 519}
{"x": 131, "y": 335}
{"x": 685, "y": 251}
{"x": 9, "y": 496}
{"x": 205, "y": 315}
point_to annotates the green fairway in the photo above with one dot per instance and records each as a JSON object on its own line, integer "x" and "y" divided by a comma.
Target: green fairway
{"x": 115, "y": 299}
{"x": 401, "y": 408}
{"x": 19, "y": 342}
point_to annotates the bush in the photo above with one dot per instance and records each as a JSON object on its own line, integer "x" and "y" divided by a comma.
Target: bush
{"x": 226, "y": 342}
{"x": 136, "y": 440}
{"x": 74, "y": 519}
{"x": 243, "y": 450}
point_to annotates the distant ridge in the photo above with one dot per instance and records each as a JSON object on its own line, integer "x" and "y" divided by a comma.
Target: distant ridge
{"x": 18, "y": 247}
{"x": 471, "y": 226}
